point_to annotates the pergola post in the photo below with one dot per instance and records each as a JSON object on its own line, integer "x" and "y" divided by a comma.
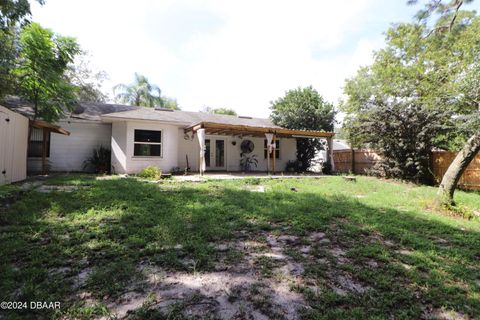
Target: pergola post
{"x": 270, "y": 137}
{"x": 274, "y": 152}
{"x": 201, "y": 142}
{"x": 268, "y": 158}
{"x": 330, "y": 153}
{"x": 44, "y": 151}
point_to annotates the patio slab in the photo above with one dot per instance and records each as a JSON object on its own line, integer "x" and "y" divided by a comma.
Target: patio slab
{"x": 238, "y": 176}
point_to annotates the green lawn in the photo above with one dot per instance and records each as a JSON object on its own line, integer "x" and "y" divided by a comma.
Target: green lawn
{"x": 304, "y": 248}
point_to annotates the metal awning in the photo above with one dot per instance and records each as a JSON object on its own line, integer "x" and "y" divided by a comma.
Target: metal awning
{"x": 233, "y": 129}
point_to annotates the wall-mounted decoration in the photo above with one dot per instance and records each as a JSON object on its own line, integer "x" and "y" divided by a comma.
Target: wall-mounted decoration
{"x": 247, "y": 146}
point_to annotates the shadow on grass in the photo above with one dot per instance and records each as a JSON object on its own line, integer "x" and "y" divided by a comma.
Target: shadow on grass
{"x": 57, "y": 245}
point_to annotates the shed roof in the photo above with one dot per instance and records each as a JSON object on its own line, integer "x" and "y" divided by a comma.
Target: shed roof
{"x": 39, "y": 124}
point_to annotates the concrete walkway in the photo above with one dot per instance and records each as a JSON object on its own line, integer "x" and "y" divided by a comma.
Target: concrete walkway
{"x": 237, "y": 176}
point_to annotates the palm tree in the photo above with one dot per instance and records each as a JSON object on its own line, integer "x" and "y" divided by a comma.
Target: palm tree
{"x": 140, "y": 93}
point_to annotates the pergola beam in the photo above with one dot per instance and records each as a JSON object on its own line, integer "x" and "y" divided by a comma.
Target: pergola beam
{"x": 233, "y": 129}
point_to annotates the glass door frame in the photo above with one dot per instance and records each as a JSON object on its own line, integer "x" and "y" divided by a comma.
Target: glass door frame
{"x": 213, "y": 153}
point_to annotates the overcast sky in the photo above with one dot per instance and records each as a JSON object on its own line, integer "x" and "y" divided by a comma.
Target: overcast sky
{"x": 222, "y": 53}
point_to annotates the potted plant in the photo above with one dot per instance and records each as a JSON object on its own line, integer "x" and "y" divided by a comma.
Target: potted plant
{"x": 248, "y": 162}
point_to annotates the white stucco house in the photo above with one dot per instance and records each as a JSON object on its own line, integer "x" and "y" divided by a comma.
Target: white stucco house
{"x": 169, "y": 139}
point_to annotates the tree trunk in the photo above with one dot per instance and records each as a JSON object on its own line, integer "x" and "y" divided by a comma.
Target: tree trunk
{"x": 456, "y": 169}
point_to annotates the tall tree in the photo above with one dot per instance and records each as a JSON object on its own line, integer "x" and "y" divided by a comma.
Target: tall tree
{"x": 305, "y": 109}
{"x": 13, "y": 15}
{"x": 87, "y": 80}
{"x": 8, "y": 54}
{"x": 43, "y": 59}
{"x": 139, "y": 93}
{"x": 449, "y": 12}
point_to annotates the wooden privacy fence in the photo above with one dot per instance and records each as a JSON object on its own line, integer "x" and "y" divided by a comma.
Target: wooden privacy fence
{"x": 470, "y": 178}
{"x": 354, "y": 160}
{"x": 359, "y": 161}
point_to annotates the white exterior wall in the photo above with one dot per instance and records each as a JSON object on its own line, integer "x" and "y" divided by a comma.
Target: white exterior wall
{"x": 68, "y": 153}
{"x": 13, "y": 146}
{"x": 119, "y": 147}
{"x": 191, "y": 148}
{"x": 123, "y": 159}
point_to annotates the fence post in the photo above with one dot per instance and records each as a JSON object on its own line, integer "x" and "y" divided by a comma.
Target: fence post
{"x": 353, "y": 161}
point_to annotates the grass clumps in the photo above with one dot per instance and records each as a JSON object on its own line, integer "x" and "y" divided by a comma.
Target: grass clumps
{"x": 150, "y": 172}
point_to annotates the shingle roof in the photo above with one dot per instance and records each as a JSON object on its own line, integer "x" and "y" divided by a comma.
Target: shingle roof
{"x": 83, "y": 110}
{"x": 96, "y": 111}
{"x": 188, "y": 117}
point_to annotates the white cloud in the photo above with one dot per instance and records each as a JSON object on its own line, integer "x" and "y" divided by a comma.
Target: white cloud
{"x": 237, "y": 54}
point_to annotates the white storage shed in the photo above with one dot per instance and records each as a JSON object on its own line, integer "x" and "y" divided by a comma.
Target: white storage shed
{"x": 13, "y": 146}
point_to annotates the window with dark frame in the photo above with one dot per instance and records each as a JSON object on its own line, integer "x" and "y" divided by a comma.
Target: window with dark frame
{"x": 147, "y": 143}
{"x": 35, "y": 145}
{"x": 277, "y": 149}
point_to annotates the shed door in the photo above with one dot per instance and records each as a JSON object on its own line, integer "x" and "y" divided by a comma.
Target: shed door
{"x": 4, "y": 141}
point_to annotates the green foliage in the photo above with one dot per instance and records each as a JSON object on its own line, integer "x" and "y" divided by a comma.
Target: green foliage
{"x": 418, "y": 94}
{"x": 225, "y": 111}
{"x": 8, "y": 191}
{"x": 139, "y": 93}
{"x": 150, "y": 172}
{"x": 446, "y": 9}
{"x": 43, "y": 60}
{"x": 292, "y": 166}
{"x": 14, "y": 12}
{"x": 87, "y": 81}
{"x": 99, "y": 161}
{"x": 404, "y": 135}
{"x": 327, "y": 168}
{"x": 8, "y": 53}
{"x": 170, "y": 103}
{"x": 305, "y": 109}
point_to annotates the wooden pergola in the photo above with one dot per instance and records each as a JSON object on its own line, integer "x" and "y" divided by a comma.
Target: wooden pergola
{"x": 234, "y": 129}
{"x": 259, "y": 131}
{"x": 46, "y": 129}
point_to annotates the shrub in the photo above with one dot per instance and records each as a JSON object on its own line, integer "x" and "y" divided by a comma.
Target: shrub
{"x": 99, "y": 162}
{"x": 150, "y": 172}
{"x": 327, "y": 168}
{"x": 293, "y": 166}
{"x": 247, "y": 163}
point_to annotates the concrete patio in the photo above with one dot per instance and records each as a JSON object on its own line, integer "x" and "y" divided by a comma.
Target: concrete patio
{"x": 238, "y": 175}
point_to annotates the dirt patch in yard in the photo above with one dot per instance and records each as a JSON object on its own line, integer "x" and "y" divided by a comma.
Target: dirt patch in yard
{"x": 255, "y": 286}
{"x": 259, "y": 283}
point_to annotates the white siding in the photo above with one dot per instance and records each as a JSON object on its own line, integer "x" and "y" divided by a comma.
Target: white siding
{"x": 188, "y": 148}
{"x": 13, "y": 146}
{"x": 123, "y": 145}
{"x": 119, "y": 147}
{"x": 68, "y": 153}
